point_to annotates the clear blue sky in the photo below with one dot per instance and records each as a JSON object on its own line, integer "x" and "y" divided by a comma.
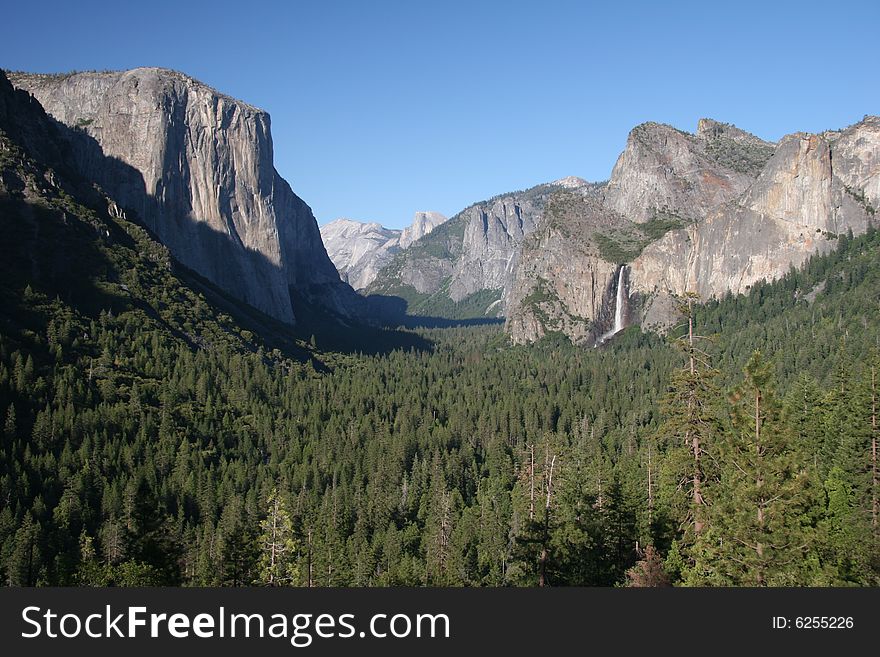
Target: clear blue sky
{"x": 383, "y": 108}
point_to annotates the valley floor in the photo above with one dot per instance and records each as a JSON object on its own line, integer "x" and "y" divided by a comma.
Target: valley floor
{"x": 168, "y": 446}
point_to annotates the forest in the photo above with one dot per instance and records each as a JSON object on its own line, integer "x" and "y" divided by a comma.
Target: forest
{"x": 150, "y": 438}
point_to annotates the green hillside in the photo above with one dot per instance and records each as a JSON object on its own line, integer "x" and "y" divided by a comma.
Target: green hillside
{"x": 145, "y": 430}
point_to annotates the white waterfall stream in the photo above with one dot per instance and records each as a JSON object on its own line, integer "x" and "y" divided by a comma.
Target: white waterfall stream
{"x": 619, "y": 302}
{"x": 619, "y": 308}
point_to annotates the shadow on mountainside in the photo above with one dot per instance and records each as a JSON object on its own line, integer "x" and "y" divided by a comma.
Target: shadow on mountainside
{"x": 392, "y": 312}
{"x": 82, "y": 163}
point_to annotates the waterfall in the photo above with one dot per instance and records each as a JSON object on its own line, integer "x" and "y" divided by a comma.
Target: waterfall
{"x": 619, "y": 308}
{"x": 619, "y": 303}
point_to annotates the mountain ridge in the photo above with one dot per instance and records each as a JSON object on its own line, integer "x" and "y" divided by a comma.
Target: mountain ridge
{"x": 359, "y": 249}
{"x": 197, "y": 168}
{"x": 710, "y": 212}
{"x": 470, "y": 261}
{"x": 729, "y": 217}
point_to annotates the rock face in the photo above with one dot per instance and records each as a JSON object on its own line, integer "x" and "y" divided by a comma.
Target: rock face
{"x": 797, "y": 206}
{"x": 197, "y": 168}
{"x": 707, "y": 213}
{"x": 666, "y": 169}
{"x": 477, "y": 251}
{"x": 359, "y": 250}
{"x": 24, "y": 121}
{"x": 493, "y": 232}
{"x": 563, "y": 283}
{"x": 422, "y": 224}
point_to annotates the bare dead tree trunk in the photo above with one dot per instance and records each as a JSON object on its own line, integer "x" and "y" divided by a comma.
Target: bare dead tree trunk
{"x": 310, "y": 558}
{"x": 275, "y": 508}
{"x": 531, "y": 482}
{"x": 128, "y": 510}
{"x": 874, "y": 503}
{"x": 542, "y": 569}
{"x": 550, "y": 482}
{"x": 758, "y": 418}
{"x": 650, "y": 489}
{"x": 599, "y": 498}
{"x": 759, "y": 546}
{"x": 691, "y": 335}
{"x": 695, "y": 435}
{"x": 445, "y": 532}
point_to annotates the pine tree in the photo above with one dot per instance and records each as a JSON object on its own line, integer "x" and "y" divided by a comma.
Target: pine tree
{"x": 534, "y": 558}
{"x": 493, "y": 540}
{"x": 803, "y": 415}
{"x": 648, "y": 571}
{"x": 850, "y": 482}
{"x": 90, "y": 571}
{"x": 10, "y": 424}
{"x": 690, "y": 424}
{"x": 24, "y": 566}
{"x": 875, "y": 435}
{"x": 758, "y": 533}
{"x": 278, "y": 545}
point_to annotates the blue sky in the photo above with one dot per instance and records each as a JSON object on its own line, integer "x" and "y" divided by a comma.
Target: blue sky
{"x": 380, "y": 109}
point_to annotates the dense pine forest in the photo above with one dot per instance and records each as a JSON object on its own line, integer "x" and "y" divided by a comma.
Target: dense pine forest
{"x": 153, "y": 433}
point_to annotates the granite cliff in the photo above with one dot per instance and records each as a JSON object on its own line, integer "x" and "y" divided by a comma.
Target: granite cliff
{"x": 359, "y": 250}
{"x": 469, "y": 263}
{"x": 711, "y": 213}
{"x": 196, "y": 167}
{"x": 422, "y": 223}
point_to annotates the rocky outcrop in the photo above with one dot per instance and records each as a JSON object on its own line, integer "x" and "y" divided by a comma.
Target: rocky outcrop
{"x": 709, "y": 213}
{"x": 197, "y": 168}
{"x": 475, "y": 251}
{"x": 359, "y": 250}
{"x": 857, "y": 160}
{"x": 422, "y": 224}
{"x": 665, "y": 169}
{"x": 797, "y": 206}
{"x": 493, "y": 232}
{"x": 563, "y": 283}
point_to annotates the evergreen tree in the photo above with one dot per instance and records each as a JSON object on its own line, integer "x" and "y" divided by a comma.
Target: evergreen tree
{"x": 758, "y": 534}
{"x": 649, "y": 571}
{"x": 90, "y": 571}
{"x": 23, "y": 568}
{"x": 162, "y": 423}
{"x": 10, "y": 424}
{"x": 688, "y": 431}
{"x": 278, "y": 545}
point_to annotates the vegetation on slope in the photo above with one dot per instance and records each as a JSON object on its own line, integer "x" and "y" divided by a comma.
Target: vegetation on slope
{"x": 146, "y": 439}
{"x": 438, "y": 251}
{"x": 622, "y": 245}
{"x": 150, "y": 436}
{"x": 744, "y": 157}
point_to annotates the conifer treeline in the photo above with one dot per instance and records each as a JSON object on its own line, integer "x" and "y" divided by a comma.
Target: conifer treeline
{"x": 137, "y": 453}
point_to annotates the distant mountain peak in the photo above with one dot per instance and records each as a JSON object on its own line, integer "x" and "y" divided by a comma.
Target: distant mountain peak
{"x": 423, "y": 222}
{"x": 710, "y": 129}
{"x": 360, "y": 249}
{"x": 570, "y": 182}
